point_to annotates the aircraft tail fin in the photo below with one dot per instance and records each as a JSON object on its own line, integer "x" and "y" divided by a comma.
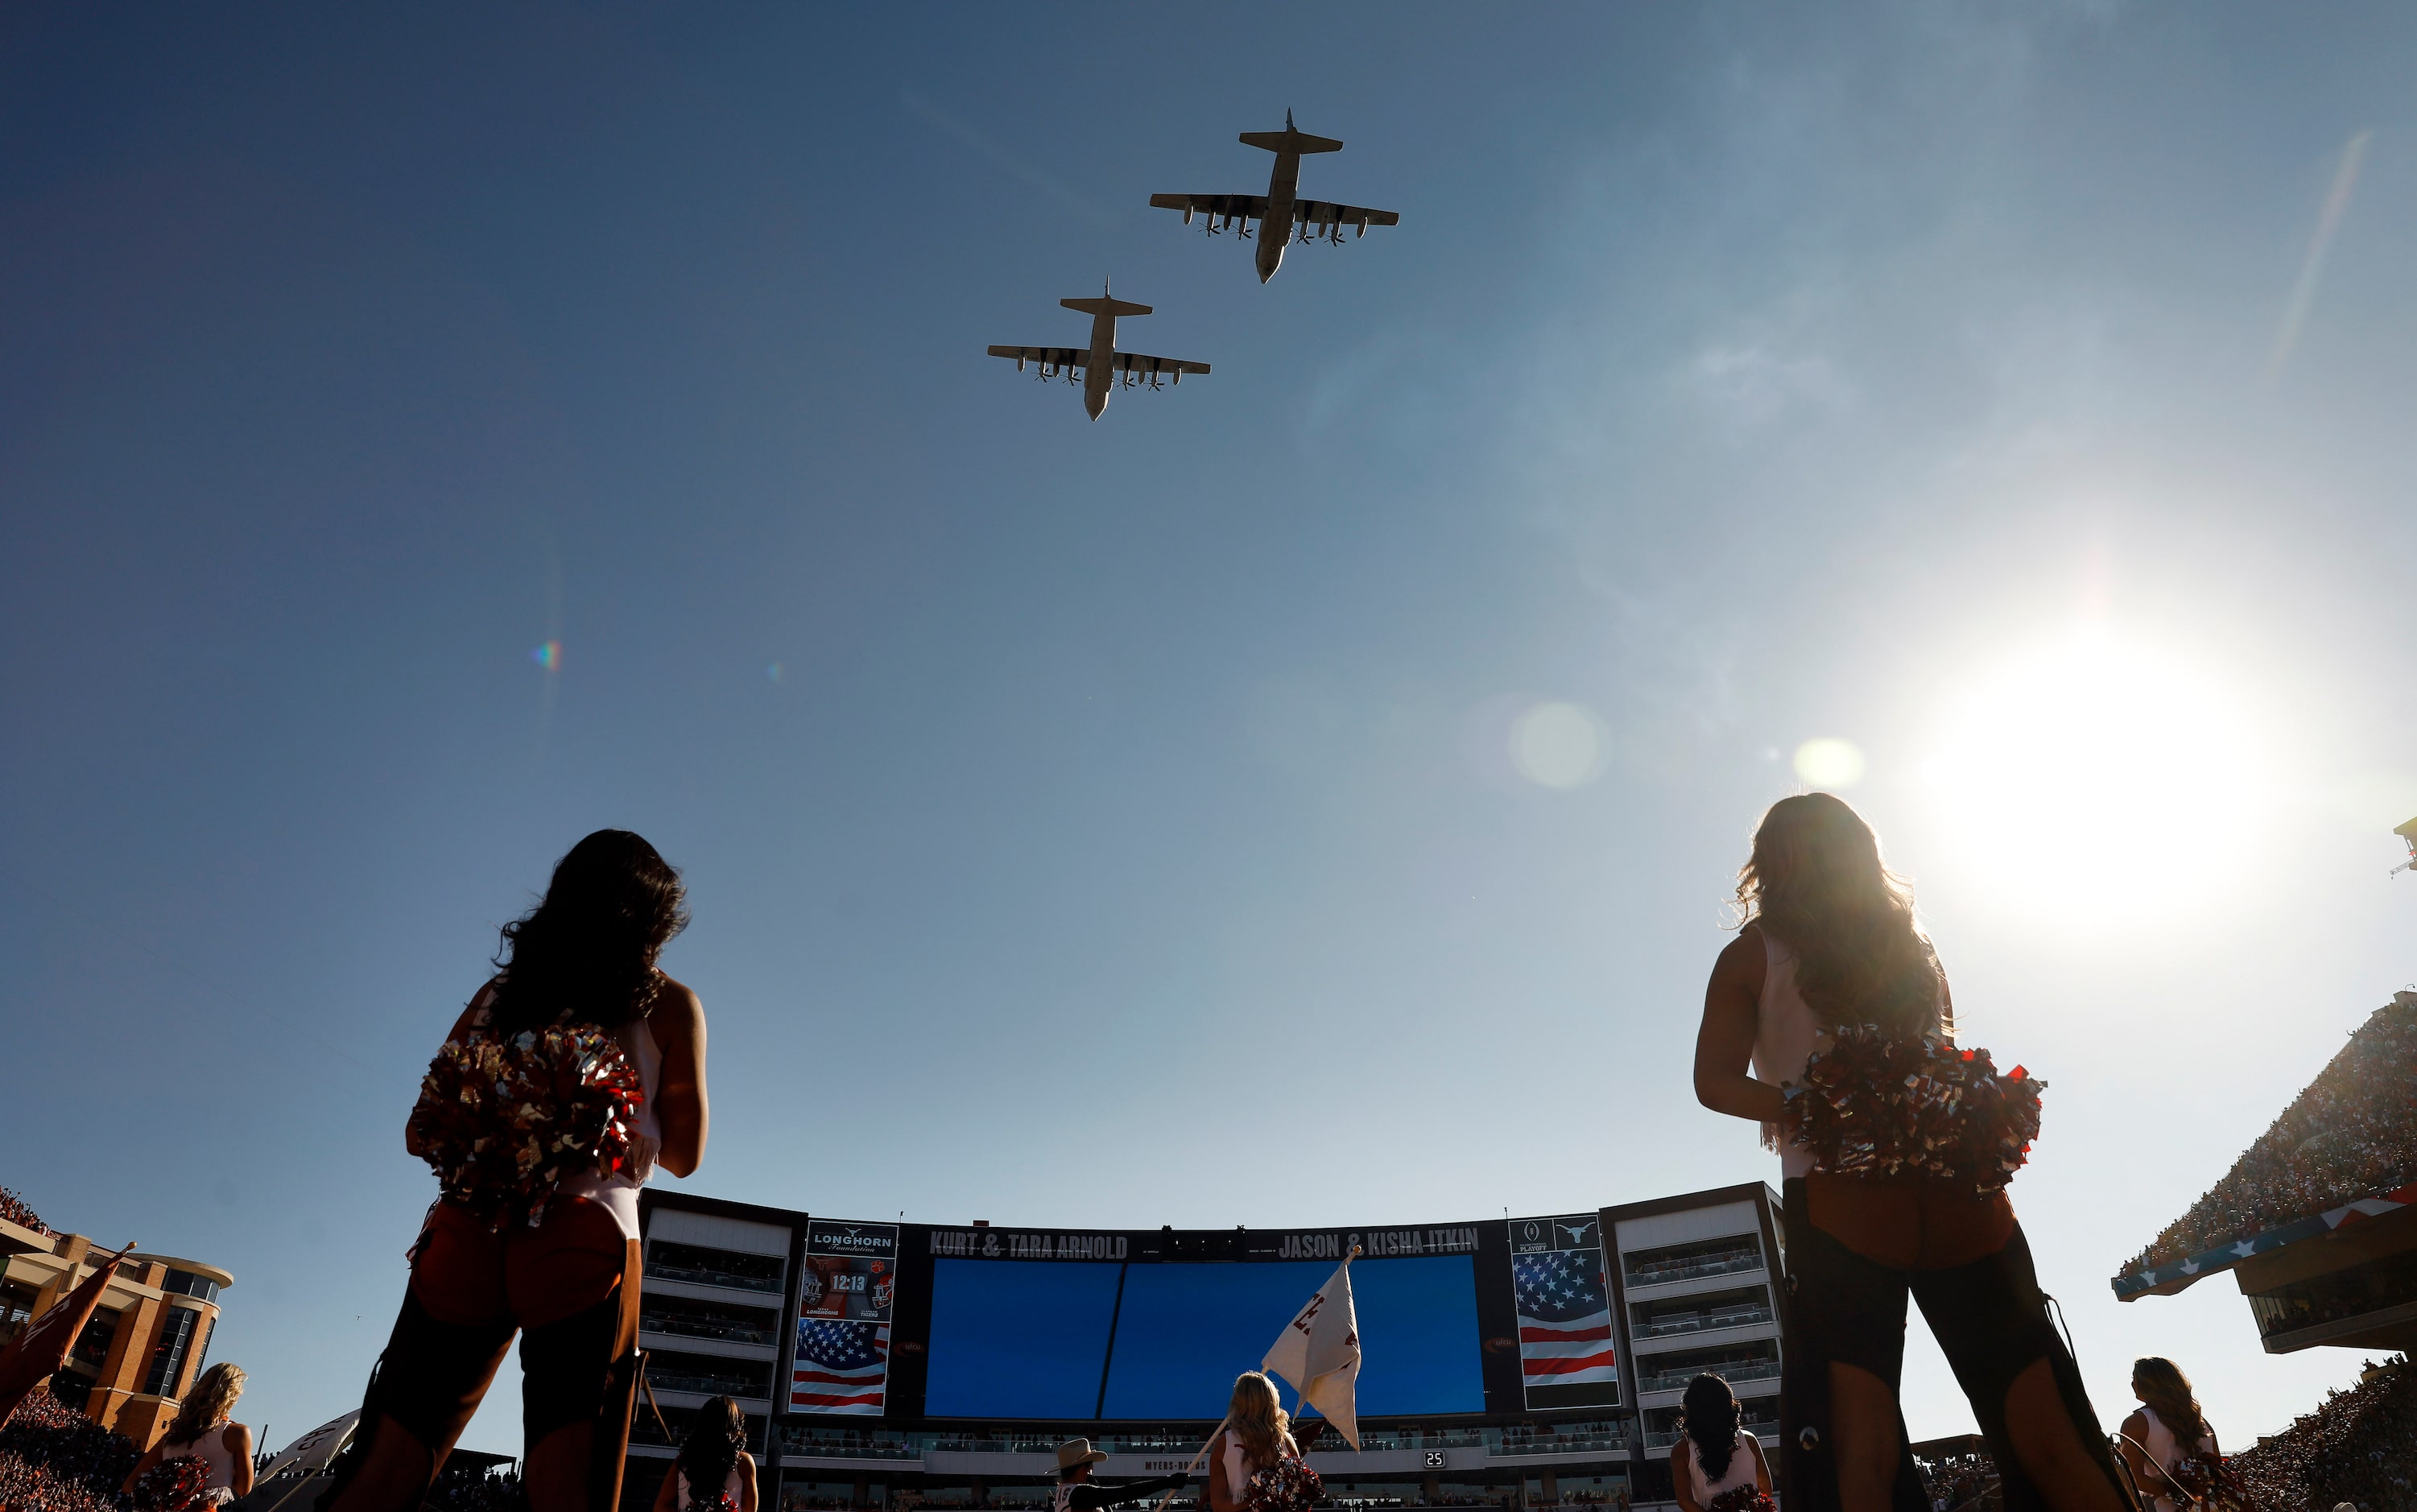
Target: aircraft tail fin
{"x": 1104, "y": 305}
{"x": 1289, "y": 140}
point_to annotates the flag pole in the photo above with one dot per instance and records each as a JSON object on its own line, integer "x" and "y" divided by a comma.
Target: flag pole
{"x": 1302, "y": 1388}
{"x": 1194, "y": 1466}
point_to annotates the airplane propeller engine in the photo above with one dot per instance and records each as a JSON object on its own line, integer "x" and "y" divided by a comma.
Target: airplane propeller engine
{"x": 1281, "y": 215}
{"x": 1097, "y": 369}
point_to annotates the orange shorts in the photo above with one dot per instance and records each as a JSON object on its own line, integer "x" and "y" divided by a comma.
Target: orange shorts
{"x": 531, "y": 1276}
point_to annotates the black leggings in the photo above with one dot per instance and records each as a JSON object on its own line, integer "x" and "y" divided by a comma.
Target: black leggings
{"x": 1990, "y": 1318}
{"x": 579, "y": 1365}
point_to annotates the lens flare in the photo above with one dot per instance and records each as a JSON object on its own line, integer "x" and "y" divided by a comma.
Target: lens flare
{"x": 1557, "y": 746}
{"x": 548, "y": 655}
{"x": 1830, "y": 763}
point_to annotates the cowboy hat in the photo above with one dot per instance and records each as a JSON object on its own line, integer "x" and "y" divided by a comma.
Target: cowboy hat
{"x": 1077, "y": 1452}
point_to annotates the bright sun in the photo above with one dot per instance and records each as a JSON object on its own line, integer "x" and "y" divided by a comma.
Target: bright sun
{"x": 2083, "y": 777}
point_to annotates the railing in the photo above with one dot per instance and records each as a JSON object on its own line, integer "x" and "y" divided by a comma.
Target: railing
{"x": 796, "y": 1444}
{"x": 670, "y": 1378}
{"x": 1572, "y": 1444}
{"x": 698, "y": 1275}
{"x": 1729, "y": 1370}
{"x": 692, "y": 1327}
{"x": 1494, "y": 1441}
{"x": 1697, "y": 1323}
{"x": 1764, "y": 1430}
{"x": 1729, "y": 1264}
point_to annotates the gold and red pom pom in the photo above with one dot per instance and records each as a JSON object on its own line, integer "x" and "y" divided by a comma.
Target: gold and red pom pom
{"x": 173, "y": 1485}
{"x": 1876, "y": 1105}
{"x": 503, "y": 1122}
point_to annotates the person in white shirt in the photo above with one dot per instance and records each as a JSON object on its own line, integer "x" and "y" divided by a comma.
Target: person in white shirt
{"x": 1714, "y": 1455}
{"x": 203, "y": 1430}
{"x": 2167, "y": 1429}
{"x": 1258, "y": 1434}
{"x": 713, "y": 1462}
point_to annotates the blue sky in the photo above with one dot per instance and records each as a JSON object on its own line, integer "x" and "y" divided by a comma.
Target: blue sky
{"x": 1310, "y": 794}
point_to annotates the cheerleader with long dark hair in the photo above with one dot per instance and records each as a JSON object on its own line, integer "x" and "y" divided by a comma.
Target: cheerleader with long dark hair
{"x": 1716, "y": 1465}
{"x": 1829, "y": 1018}
{"x": 2167, "y": 1444}
{"x": 714, "y": 1472}
{"x": 585, "y": 1029}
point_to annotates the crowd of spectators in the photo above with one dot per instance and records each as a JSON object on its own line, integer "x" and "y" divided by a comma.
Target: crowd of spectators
{"x": 54, "y": 1459}
{"x": 464, "y": 1488}
{"x": 2351, "y": 1134}
{"x": 15, "y": 1210}
{"x": 2359, "y": 1446}
{"x": 1956, "y": 1479}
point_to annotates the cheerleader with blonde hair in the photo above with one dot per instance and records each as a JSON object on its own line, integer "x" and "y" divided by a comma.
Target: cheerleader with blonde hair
{"x": 1257, "y": 1436}
{"x": 203, "y": 1430}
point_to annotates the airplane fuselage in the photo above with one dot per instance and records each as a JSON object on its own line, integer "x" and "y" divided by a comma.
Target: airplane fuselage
{"x": 1275, "y": 227}
{"x": 1100, "y": 374}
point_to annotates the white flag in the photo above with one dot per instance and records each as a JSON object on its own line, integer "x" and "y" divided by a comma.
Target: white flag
{"x": 314, "y": 1449}
{"x": 1319, "y": 1352}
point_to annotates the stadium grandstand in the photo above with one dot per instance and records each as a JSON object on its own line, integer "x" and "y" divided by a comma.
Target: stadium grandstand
{"x": 1514, "y": 1363}
{"x": 2317, "y": 1220}
{"x": 2359, "y": 1447}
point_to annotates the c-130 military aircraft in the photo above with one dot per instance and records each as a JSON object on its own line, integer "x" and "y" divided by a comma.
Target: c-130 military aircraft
{"x": 1278, "y": 206}
{"x": 1101, "y": 362}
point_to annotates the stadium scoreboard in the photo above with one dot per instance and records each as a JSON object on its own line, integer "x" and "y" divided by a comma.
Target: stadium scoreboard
{"x": 905, "y": 1320}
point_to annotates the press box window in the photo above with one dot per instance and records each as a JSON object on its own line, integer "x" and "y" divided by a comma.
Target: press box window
{"x": 92, "y": 1346}
{"x": 187, "y": 1284}
{"x": 709, "y": 1375}
{"x": 167, "y": 1355}
{"x": 701, "y": 1266}
{"x": 727, "y": 1322}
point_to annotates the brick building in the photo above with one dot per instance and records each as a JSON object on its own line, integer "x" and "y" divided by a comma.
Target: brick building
{"x": 146, "y": 1341}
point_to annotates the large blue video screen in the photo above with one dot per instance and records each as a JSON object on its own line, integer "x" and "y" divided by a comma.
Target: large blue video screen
{"x": 1029, "y": 1338}
{"x": 1018, "y": 1339}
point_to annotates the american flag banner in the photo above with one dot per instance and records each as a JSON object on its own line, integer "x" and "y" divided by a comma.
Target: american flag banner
{"x": 841, "y": 1367}
{"x": 1566, "y": 1354}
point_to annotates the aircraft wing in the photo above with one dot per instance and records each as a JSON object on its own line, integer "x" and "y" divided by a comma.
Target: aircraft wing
{"x": 1136, "y": 362}
{"x": 1251, "y": 206}
{"x": 1048, "y": 356}
{"x": 1325, "y": 213}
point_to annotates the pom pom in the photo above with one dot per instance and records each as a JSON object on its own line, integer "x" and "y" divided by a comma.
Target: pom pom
{"x": 1747, "y": 1498}
{"x": 173, "y": 1485}
{"x": 503, "y": 1122}
{"x": 1874, "y": 1105}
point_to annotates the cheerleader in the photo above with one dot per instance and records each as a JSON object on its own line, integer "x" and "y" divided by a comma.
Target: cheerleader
{"x": 1828, "y": 943}
{"x": 2165, "y": 1431}
{"x": 1716, "y": 1462}
{"x": 714, "y": 1472}
{"x": 584, "y": 958}
{"x": 1257, "y": 1436}
{"x": 203, "y": 1430}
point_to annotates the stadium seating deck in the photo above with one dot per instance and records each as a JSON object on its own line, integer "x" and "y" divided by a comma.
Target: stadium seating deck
{"x": 2344, "y": 1150}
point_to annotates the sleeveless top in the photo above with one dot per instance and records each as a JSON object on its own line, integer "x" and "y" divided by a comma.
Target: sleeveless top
{"x": 1785, "y": 1037}
{"x": 1238, "y": 1468}
{"x": 211, "y": 1450}
{"x": 731, "y": 1484}
{"x": 2167, "y": 1453}
{"x": 617, "y": 1193}
{"x": 1741, "y": 1471}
